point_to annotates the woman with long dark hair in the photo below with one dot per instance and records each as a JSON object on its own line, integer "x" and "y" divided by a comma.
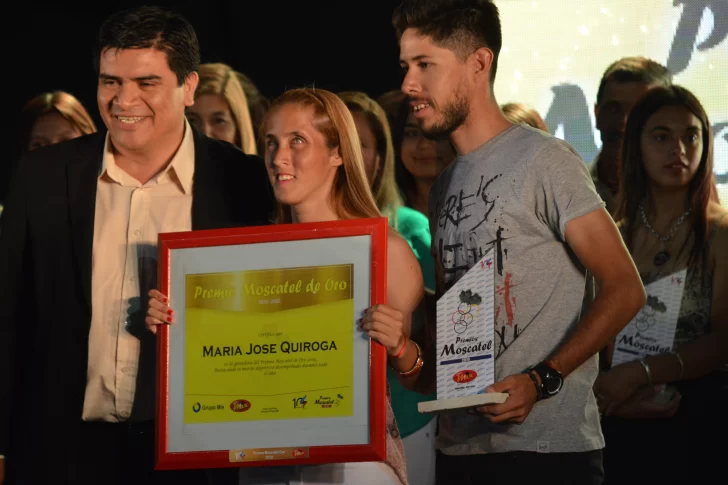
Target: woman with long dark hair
{"x": 419, "y": 160}
{"x": 662, "y": 411}
{"x": 416, "y": 430}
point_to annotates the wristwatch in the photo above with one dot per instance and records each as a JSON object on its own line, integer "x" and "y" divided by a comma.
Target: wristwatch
{"x": 551, "y": 379}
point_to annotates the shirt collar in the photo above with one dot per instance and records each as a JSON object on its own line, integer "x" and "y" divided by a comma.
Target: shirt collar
{"x": 181, "y": 169}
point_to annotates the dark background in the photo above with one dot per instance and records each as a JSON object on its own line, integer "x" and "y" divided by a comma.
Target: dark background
{"x": 334, "y": 45}
{"x": 279, "y": 45}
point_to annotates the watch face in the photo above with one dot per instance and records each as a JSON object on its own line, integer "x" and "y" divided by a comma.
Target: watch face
{"x": 553, "y": 383}
{"x": 551, "y": 380}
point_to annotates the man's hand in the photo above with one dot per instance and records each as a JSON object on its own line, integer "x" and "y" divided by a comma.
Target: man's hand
{"x": 521, "y": 398}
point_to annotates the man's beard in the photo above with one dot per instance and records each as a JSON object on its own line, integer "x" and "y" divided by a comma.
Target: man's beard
{"x": 454, "y": 115}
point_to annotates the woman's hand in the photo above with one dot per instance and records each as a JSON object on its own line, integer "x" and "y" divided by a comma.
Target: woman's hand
{"x": 159, "y": 312}
{"x": 644, "y": 405}
{"x": 385, "y": 325}
{"x": 613, "y": 388}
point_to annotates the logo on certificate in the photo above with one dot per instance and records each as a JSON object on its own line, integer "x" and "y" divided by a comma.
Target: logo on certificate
{"x": 328, "y": 401}
{"x": 299, "y": 402}
{"x": 240, "y": 405}
{"x": 197, "y": 407}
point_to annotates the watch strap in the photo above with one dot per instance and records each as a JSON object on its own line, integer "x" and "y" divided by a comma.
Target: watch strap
{"x": 547, "y": 372}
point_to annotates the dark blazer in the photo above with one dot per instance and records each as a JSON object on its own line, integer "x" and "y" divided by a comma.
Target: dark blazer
{"x": 46, "y": 238}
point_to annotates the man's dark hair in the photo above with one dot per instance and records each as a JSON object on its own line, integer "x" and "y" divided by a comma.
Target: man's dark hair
{"x": 462, "y": 26}
{"x": 155, "y": 28}
{"x": 634, "y": 69}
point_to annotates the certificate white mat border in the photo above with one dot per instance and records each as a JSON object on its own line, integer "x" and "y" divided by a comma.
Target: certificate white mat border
{"x": 352, "y": 430}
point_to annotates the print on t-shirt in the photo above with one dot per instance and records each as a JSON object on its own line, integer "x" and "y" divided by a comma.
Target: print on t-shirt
{"x": 465, "y": 212}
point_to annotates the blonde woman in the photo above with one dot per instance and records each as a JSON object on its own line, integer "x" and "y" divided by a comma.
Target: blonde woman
{"x": 257, "y": 103}
{"x": 417, "y": 430}
{"x": 377, "y": 151}
{"x": 51, "y": 118}
{"x": 221, "y": 108}
{"x": 47, "y": 119}
{"x": 314, "y": 161}
{"x": 522, "y": 113}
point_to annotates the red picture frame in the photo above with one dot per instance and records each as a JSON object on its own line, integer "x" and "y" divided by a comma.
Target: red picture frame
{"x": 375, "y": 450}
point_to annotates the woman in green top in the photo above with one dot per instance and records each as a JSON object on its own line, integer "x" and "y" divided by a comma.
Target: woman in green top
{"x": 379, "y": 159}
{"x": 376, "y": 139}
{"x": 418, "y": 161}
{"x": 417, "y": 430}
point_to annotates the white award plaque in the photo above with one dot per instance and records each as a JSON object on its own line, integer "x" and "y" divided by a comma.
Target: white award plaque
{"x": 465, "y": 333}
{"x": 652, "y": 330}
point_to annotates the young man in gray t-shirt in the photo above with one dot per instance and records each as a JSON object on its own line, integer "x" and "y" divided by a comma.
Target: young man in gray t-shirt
{"x": 526, "y": 197}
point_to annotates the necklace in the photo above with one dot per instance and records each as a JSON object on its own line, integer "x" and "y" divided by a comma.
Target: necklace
{"x": 663, "y": 256}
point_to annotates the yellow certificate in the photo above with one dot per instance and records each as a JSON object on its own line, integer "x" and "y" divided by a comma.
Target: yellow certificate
{"x": 269, "y": 344}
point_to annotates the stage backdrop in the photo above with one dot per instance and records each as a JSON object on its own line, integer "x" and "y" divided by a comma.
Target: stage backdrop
{"x": 555, "y": 51}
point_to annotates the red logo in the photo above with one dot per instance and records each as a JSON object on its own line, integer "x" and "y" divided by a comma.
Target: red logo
{"x": 240, "y": 405}
{"x": 464, "y": 376}
{"x": 298, "y": 453}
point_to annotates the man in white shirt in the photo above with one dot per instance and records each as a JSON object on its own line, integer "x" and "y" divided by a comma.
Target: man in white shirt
{"x": 78, "y": 256}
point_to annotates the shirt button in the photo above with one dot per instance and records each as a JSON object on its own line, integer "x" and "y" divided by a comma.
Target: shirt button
{"x": 137, "y": 232}
{"x": 124, "y": 414}
{"x": 393, "y": 431}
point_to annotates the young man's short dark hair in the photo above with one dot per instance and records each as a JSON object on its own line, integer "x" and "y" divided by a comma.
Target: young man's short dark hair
{"x": 634, "y": 69}
{"x": 156, "y": 28}
{"x": 459, "y": 25}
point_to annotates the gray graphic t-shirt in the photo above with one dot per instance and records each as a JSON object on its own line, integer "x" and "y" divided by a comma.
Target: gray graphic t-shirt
{"x": 515, "y": 196}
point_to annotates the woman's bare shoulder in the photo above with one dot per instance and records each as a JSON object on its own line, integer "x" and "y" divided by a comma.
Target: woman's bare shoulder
{"x": 403, "y": 271}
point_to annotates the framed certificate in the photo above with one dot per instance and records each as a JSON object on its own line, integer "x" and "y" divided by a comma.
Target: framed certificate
{"x": 264, "y": 364}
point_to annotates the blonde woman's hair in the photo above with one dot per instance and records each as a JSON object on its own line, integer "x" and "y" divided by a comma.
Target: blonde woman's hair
{"x": 257, "y": 103}
{"x": 384, "y": 185}
{"x": 58, "y": 102}
{"x": 351, "y": 196}
{"x": 521, "y": 113}
{"x": 220, "y": 79}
